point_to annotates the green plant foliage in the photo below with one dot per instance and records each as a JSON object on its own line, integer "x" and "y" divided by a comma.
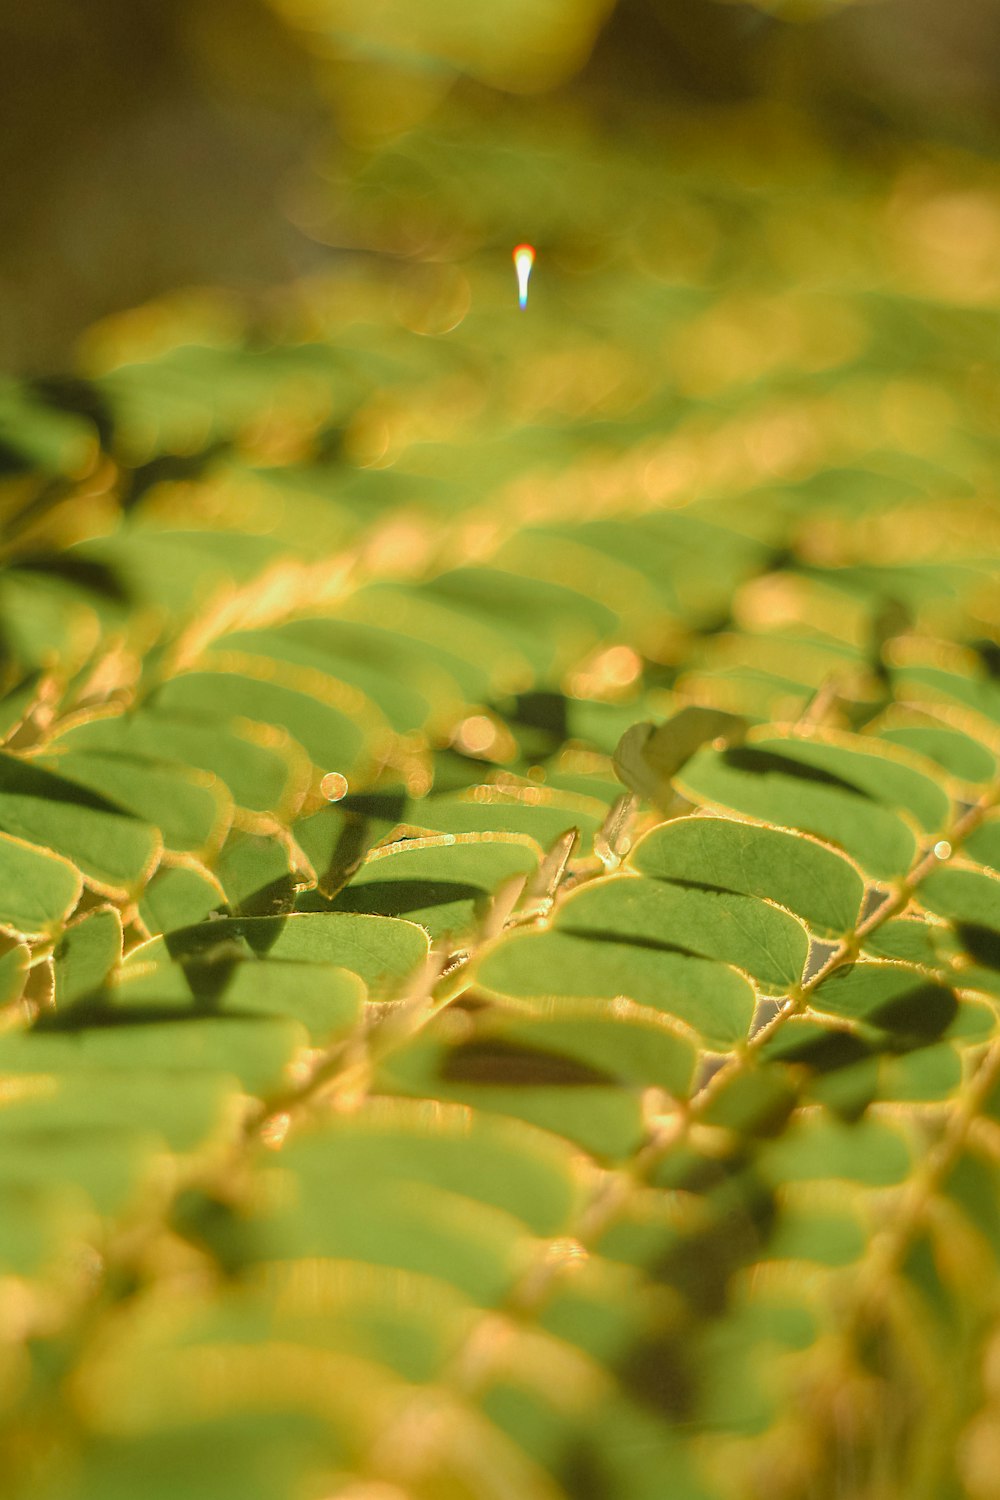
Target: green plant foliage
{"x": 500, "y": 835}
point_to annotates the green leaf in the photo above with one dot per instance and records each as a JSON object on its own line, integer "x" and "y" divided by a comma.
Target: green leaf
{"x": 579, "y": 1073}
{"x": 972, "y": 1184}
{"x": 756, "y": 1102}
{"x": 649, "y": 756}
{"x": 386, "y": 952}
{"x": 255, "y": 873}
{"x": 538, "y": 813}
{"x": 977, "y": 693}
{"x": 35, "y": 1225}
{"x": 443, "y": 884}
{"x": 18, "y": 701}
{"x": 331, "y": 736}
{"x": 435, "y": 1194}
{"x": 62, "y": 442}
{"x": 544, "y": 619}
{"x": 897, "y": 999}
{"x": 179, "y": 896}
{"x": 86, "y": 953}
{"x": 325, "y": 999}
{"x": 984, "y": 842}
{"x": 337, "y": 837}
{"x": 412, "y": 1226}
{"x": 923, "y": 1076}
{"x": 955, "y": 752}
{"x": 256, "y": 1051}
{"x": 497, "y": 1163}
{"x": 120, "y": 1107}
{"x": 719, "y": 853}
{"x": 892, "y": 778}
{"x": 486, "y": 661}
{"x": 320, "y": 645}
{"x": 64, "y": 1166}
{"x": 828, "y": 1239}
{"x": 912, "y": 939}
{"x": 970, "y": 898}
{"x": 816, "y": 1146}
{"x": 716, "y": 1001}
{"x": 15, "y": 958}
{"x": 189, "y": 808}
{"x": 752, "y": 935}
{"x": 266, "y": 777}
{"x": 38, "y": 890}
{"x": 377, "y": 632}
{"x": 115, "y": 852}
{"x": 256, "y": 1455}
{"x": 773, "y": 783}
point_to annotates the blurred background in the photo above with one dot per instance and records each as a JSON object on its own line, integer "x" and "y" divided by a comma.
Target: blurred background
{"x": 149, "y": 145}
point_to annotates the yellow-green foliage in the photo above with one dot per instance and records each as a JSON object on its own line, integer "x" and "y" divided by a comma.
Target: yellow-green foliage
{"x": 500, "y": 846}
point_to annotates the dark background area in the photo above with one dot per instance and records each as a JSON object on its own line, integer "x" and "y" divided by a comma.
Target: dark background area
{"x": 152, "y": 144}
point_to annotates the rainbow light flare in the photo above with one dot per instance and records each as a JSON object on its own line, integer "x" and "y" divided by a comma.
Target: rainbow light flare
{"x": 524, "y": 259}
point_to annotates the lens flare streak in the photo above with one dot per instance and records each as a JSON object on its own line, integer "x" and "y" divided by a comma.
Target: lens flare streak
{"x": 524, "y": 259}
